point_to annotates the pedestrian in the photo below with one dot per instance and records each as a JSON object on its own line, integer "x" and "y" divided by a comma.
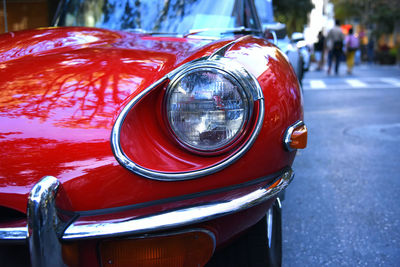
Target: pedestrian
{"x": 352, "y": 44}
{"x": 319, "y": 48}
{"x": 363, "y": 42}
{"x": 334, "y": 43}
{"x": 371, "y": 49}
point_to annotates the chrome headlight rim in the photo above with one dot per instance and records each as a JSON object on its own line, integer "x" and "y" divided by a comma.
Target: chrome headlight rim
{"x": 233, "y": 73}
{"x": 245, "y": 77}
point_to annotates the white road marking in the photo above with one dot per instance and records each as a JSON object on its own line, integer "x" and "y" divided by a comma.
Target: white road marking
{"x": 356, "y": 83}
{"x": 342, "y": 83}
{"x": 392, "y": 81}
{"x": 317, "y": 84}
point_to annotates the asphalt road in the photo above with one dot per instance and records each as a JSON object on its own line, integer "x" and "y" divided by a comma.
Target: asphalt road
{"x": 343, "y": 207}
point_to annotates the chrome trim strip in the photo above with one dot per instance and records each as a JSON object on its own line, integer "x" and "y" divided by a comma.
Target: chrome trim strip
{"x": 181, "y": 198}
{"x": 222, "y": 51}
{"x": 44, "y": 224}
{"x": 141, "y": 225}
{"x": 270, "y": 220}
{"x": 275, "y": 37}
{"x": 246, "y": 79}
{"x": 115, "y": 133}
{"x": 288, "y": 135}
{"x": 13, "y": 234}
{"x": 177, "y": 218}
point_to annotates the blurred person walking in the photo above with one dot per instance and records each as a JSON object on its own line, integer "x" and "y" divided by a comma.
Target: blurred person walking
{"x": 334, "y": 43}
{"x": 352, "y": 44}
{"x": 319, "y": 49}
{"x": 371, "y": 49}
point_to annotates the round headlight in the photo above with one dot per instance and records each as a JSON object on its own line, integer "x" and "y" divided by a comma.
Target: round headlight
{"x": 207, "y": 108}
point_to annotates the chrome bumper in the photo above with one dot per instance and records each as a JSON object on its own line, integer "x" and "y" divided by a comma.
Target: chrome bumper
{"x": 46, "y": 228}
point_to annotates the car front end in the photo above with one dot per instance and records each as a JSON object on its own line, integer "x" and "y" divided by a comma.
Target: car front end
{"x": 140, "y": 149}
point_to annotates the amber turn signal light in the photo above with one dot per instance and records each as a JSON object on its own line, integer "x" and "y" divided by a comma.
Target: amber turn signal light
{"x": 193, "y": 248}
{"x": 296, "y": 137}
{"x": 299, "y": 138}
{"x": 70, "y": 253}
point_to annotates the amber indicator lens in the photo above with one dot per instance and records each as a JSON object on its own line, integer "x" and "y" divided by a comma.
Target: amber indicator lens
{"x": 185, "y": 249}
{"x": 70, "y": 253}
{"x": 298, "y": 139}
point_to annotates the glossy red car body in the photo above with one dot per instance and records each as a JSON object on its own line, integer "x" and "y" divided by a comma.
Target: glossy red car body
{"x": 62, "y": 90}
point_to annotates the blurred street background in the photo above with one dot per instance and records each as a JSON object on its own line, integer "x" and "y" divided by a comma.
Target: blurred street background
{"x": 342, "y": 208}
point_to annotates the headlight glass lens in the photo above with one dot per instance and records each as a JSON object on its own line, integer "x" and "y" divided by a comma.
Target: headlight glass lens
{"x": 207, "y": 109}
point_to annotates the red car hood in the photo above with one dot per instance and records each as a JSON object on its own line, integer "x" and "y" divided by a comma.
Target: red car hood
{"x": 61, "y": 90}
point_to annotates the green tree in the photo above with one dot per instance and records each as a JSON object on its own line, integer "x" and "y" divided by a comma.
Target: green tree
{"x": 381, "y": 15}
{"x": 293, "y": 13}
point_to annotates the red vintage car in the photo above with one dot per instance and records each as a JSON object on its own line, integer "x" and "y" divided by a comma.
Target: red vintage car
{"x": 146, "y": 133}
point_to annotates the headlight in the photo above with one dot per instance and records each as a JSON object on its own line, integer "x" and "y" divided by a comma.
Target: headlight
{"x": 212, "y": 106}
{"x": 207, "y": 108}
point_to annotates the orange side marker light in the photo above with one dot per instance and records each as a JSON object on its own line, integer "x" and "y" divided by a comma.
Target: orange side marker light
{"x": 299, "y": 138}
{"x": 296, "y": 137}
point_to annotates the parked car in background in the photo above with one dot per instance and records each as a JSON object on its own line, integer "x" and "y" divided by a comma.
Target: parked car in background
{"x": 146, "y": 133}
{"x": 273, "y": 29}
{"x": 298, "y": 40}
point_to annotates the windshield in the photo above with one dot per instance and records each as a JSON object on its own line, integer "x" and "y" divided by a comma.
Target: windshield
{"x": 265, "y": 11}
{"x": 165, "y": 16}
